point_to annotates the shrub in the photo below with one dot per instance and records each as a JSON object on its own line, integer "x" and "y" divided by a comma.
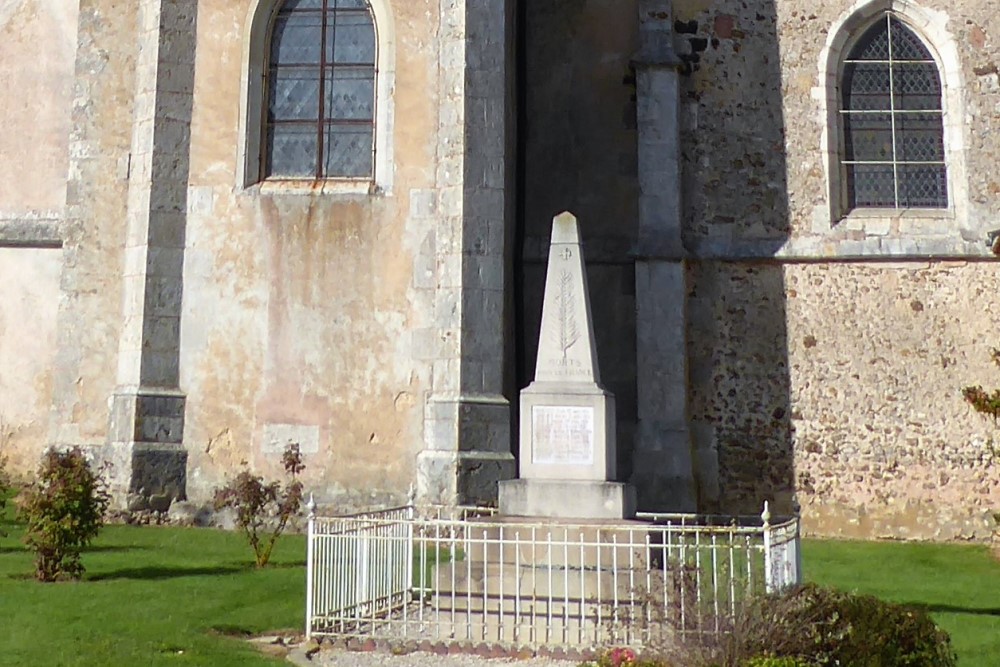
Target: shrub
{"x": 5, "y": 483}
{"x": 821, "y": 626}
{"x": 264, "y": 509}
{"x": 809, "y": 626}
{"x": 64, "y": 511}
{"x": 4, "y": 488}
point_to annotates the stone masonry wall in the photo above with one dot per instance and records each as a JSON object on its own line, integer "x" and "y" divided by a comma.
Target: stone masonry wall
{"x": 837, "y": 380}
{"x": 885, "y": 445}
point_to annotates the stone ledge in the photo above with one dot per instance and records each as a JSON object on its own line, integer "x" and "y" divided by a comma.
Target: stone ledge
{"x": 30, "y": 232}
{"x": 548, "y": 498}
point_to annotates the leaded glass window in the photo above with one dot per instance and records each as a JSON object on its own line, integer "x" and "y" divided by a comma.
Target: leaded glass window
{"x": 892, "y": 127}
{"x": 321, "y": 91}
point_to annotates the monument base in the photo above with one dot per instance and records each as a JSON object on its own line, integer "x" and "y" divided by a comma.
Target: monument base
{"x": 567, "y": 499}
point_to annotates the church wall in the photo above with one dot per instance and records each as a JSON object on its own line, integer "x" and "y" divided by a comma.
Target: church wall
{"x": 37, "y": 51}
{"x": 885, "y": 445}
{"x": 308, "y": 316}
{"x": 754, "y": 109}
{"x": 62, "y": 215}
{"x": 91, "y": 228}
{"x": 28, "y": 307}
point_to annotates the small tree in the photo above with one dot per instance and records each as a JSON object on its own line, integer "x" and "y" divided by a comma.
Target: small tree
{"x": 4, "y": 485}
{"x": 64, "y": 511}
{"x": 5, "y": 436}
{"x": 987, "y": 403}
{"x": 264, "y": 509}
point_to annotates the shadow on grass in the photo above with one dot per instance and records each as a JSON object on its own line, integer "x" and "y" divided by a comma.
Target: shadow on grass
{"x": 231, "y": 631}
{"x": 165, "y": 572}
{"x": 110, "y": 548}
{"x": 953, "y": 609}
{"x": 157, "y": 573}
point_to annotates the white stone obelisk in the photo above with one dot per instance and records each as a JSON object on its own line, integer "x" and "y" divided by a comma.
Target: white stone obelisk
{"x": 567, "y": 436}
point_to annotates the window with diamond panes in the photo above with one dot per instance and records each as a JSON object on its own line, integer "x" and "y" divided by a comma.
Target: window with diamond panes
{"x": 893, "y": 133}
{"x": 321, "y": 91}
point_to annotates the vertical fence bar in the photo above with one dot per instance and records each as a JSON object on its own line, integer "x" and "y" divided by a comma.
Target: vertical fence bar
{"x": 583, "y": 591}
{"x": 614, "y": 583}
{"x": 768, "y": 556}
{"x": 732, "y": 572}
{"x": 467, "y": 538}
{"x": 517, "y": 587}
{"x": 486, "y": 583}
{"x": 799, "y": 575}
{"x": 715, "y": 582}
{"x": 310, "y": 566}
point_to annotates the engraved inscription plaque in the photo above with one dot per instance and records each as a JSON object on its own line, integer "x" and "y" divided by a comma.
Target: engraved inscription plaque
{"x": 562, "y": 435}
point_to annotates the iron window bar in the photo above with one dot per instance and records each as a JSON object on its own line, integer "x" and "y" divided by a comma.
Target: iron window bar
{"x": 882, "y": 92}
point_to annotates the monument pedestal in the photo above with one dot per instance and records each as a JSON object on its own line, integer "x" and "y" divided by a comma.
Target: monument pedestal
{"x": 567, "y": 444}
{"x": 567, "y": 499}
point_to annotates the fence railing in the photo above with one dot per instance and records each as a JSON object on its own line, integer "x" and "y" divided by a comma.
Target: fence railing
{"x": 470, "y": 576}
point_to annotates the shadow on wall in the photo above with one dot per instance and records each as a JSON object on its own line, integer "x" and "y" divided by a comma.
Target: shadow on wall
{"x": 736, "y": 211}
{"x": 578, "y": 152}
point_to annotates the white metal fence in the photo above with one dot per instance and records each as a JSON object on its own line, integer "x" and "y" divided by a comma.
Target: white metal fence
{"x": 469, "y": 576}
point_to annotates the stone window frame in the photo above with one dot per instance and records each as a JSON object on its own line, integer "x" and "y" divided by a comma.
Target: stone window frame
{"x": 256, "y": 46}
{"x": 931, "y": 27}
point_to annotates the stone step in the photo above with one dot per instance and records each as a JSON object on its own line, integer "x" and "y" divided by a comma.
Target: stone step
{"x": 569, "y": 545}
{"x": 542, "y": 582}
{"x": 519, "y": 628}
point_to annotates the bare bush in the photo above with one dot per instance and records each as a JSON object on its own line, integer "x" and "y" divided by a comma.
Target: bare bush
{"x": 263, "y": 509}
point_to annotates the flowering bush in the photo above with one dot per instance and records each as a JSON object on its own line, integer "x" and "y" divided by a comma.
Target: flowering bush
{"x": 623, "y": 657}
{"x": 619, "y": 657}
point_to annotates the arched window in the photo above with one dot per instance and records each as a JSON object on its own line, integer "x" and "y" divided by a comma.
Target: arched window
{"x": 893, "y": 150}
{"x": 320, "y": 85}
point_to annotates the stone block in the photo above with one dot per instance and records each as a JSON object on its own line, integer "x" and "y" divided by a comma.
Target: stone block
{"x": 159, "y": 471}
{"x": 567, "y": 432}
{"x": 567, "y": 499}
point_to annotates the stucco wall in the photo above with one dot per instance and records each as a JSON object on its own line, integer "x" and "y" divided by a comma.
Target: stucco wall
{"x": 300, "y": 307}
{"x": 28, "y": 307}
{"x": 37, "y": 51}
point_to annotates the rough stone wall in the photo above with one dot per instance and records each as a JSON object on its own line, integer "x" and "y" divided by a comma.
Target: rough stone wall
{"x": 754, "y": 131}
{"x": 302, "y": 319}
{"x": 885, "y": 445}
{"x": 739, "y": 384}
{"x": 841, "y": 377}
{"x": 733, "y": 129}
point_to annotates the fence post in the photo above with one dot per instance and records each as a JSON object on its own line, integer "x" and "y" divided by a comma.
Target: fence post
{"x": 768, "y": 556}
{"x": 798, "y": 550}
{"x": 310, "y": 565}
{"x": 408, "y": 563}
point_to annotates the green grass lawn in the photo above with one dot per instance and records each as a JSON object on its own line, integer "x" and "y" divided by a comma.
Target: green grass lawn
{"x": 958, "y": 584}
{"x": 151, "y": 596}
{"x": 174, "y": 596}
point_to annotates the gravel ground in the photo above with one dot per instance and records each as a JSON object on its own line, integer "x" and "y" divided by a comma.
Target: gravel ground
{"x": 341, "y": 658}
